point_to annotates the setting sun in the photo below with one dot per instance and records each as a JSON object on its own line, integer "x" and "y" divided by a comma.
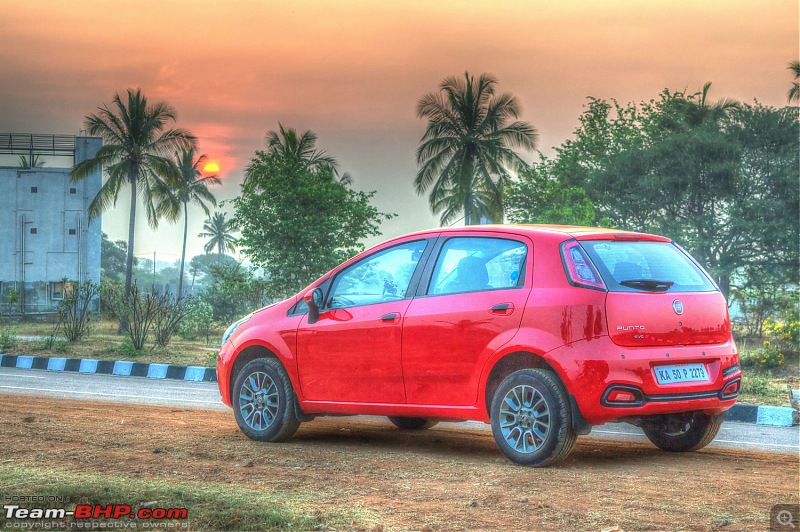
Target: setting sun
{"x": 211, "y": 167}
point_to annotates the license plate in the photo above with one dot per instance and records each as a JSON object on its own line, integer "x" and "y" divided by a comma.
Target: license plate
{"x": 681, "y": 373}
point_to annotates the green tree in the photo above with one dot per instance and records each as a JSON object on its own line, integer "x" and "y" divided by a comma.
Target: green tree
{"x": 719, "y": 177}
{"x": 219, "y": 231}
{"x": 137, "y": 145}
{"x": 112, "y": 258}
{"x": 467, "y": 151}
{"x": 537, "y": 196}
{"x": 794, "y": 91}
{"x": 233, "y": 291}
{"x": 299, "y": 222}
{"x": 188, "y": 186}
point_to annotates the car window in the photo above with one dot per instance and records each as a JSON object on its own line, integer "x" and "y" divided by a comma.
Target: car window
{"x": 626, "y": 261}
{"x": 384, "y": 276}
{"x": 472, "y": 264}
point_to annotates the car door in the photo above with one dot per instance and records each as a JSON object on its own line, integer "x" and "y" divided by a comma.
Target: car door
{"x": 352, "y": 353}
{"x": 475, "y": 290}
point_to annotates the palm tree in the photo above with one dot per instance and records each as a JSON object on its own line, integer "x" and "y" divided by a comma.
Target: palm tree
{"x": 189, "y": 187}
{"x": 300, "y": 149}
{"x": 704, "y": 111}
{"x": 466, "y": 152}
{"x": 794, "y": 92}
{"x": 218, "y": 229}
{"x": 32, "y": 162}
{"x": 137, "y": 144}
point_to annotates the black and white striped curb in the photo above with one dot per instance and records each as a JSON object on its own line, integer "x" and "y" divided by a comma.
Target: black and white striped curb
{"x": 111, "y": 367}
{"x": 779, "y": 416}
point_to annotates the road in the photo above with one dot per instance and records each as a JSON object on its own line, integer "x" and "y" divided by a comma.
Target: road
{"x": 134, "y": 390}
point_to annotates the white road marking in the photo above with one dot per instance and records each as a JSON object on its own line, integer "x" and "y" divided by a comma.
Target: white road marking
{"x": 108, "y": 394}
{"x": 23, "y": 376}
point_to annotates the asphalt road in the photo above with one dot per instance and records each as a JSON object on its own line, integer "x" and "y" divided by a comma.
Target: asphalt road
{"x": 134, "y": 390}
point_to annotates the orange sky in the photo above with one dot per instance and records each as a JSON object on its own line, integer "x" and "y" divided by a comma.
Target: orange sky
{"x": 353, "y": 72}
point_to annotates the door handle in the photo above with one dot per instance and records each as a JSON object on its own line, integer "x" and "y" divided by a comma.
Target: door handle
{"x": 390, "y": 317}
{"x": 502, "y": 308}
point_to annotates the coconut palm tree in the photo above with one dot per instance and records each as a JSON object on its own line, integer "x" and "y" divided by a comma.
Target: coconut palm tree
{"x": 466, "y": 153}
{"x": 794, "y": 92}
{"x": 190, "y": 186}
{"x": 219, "y": 230}
{"x": 695, "y": 113}
{"x": 136, "y": 149}
{"x": 301, "y": 149}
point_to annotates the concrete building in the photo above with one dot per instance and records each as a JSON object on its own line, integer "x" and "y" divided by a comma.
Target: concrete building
{"x": 45, "y": 232}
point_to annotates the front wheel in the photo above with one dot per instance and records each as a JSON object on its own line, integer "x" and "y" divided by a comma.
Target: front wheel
{"x": 530, "y": 418}
{"x": 263, "y": 401}
{"x": 685, "y": 432}
{"x": 412, "y": 423}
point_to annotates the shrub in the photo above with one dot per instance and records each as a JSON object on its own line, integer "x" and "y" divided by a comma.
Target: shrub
{"x": 137, "y": 311}
{"x": 198, "y": 320}
{"x": 170, "y": 311}
{"x": 74, "y": 312}
{"x": 127, "y": 349}
{"x": 766, "y": 358}
{"x": 8, "y": 338}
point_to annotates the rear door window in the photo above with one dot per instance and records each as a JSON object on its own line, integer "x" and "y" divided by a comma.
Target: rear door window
{"x": 475, "y": 264}
{"x": 623, "y": 262}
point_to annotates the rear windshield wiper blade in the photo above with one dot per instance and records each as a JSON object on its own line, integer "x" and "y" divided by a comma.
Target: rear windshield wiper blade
{"x": 648, "y": 284}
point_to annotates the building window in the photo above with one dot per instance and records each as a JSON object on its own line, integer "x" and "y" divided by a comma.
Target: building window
{"x": 34, "y": 190}
{"x": 72, "y": 231}
{"x": 73, "y": 190}
{"x": 61, "y": 290}
{"x": 33, "y": 230}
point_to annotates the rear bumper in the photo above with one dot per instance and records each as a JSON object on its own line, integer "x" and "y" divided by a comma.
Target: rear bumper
{"x": 592, "y": 369}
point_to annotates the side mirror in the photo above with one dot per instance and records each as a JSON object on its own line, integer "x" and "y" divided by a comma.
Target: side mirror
{"x": 313, "y": 299}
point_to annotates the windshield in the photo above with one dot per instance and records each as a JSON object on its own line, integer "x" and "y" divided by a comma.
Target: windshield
{"x": 646, "y": 266}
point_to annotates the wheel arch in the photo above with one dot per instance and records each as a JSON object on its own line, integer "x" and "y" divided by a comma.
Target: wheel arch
{"x": 247, "y": 355}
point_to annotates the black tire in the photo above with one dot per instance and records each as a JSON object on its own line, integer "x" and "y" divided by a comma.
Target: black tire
{"x": 685, "y": 432}
{"x": 538, "y": 385}
{"x": 280, "y": 404}
{"x": 413, "y": 423}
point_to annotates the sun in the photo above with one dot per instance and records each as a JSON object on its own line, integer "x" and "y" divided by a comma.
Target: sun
{"x": 211, "y": 168}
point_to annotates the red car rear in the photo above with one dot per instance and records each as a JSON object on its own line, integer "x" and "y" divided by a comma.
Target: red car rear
{"x": 542, "y": 331}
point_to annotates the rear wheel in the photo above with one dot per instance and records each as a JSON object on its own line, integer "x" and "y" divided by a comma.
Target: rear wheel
{"x": 684, "y": 432}
{"x": 263, "y": 401}
{"x": 530, "y": 418}
{"x": 412, "y": 423}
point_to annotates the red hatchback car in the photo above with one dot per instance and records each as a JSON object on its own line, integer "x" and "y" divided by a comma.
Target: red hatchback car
{"x": 542, "y": 331}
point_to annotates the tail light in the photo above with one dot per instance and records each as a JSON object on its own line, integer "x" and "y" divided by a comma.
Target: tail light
{"x": 579, "y": 268}
{"x": 731, "y": 389}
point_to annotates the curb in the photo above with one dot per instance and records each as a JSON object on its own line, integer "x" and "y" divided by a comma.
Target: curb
{"x": 111, "y": 367}
{"x": 777, "y": 416}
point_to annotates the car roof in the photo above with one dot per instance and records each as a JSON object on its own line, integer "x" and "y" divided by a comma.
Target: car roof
{"x": 566, "y": 231}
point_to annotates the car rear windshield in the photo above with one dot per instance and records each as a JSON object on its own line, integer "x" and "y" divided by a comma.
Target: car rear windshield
{"x": 646, "y": 266}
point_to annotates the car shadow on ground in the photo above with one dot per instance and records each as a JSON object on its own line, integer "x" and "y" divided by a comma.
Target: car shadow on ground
{"x": 455, "y": 442}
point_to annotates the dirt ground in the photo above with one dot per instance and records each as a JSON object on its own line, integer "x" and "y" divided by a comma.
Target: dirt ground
{"x": 444, "y": 478}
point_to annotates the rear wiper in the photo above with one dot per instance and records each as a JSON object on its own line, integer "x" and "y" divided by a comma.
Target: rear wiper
{"x": 648, "y": 284}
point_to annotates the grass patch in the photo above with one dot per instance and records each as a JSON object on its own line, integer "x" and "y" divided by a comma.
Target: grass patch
{"x": 105, "y": 344}
{"x": 211, "y": 506}
{"x": 760, "y": 389}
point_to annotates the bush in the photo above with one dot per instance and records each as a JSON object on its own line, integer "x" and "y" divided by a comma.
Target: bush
{"x": 198, "y": 320}
{"x": 127, "y": 349}
{"x": 766, "y": 358}
{"x": 170, "y": 312}
{"x": 136, "y": 311}
{"x": 74, "y": 313}
{"x": 8, "y": 338}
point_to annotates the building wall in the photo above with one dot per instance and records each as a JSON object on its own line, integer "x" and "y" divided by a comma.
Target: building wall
{"x": 45, "y": 232}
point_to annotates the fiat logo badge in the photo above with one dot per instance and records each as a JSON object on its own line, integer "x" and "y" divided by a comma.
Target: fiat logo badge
{"x": 677, "y": 306}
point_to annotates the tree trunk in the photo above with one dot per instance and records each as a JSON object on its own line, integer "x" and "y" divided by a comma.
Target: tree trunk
{"x": 183, "y": 252}
{"x": 123, "y": 324}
